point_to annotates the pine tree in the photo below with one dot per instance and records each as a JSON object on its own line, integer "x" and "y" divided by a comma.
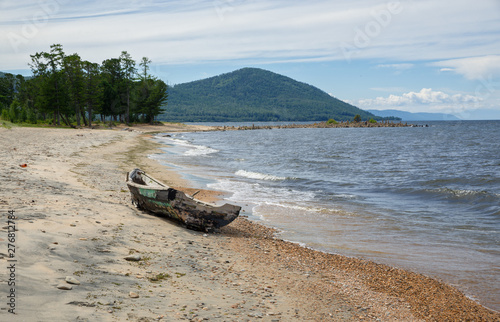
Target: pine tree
{"x": 52, "y": 92}
{"x": 73, "y": 70}
{"x": 92, "y": 89}
{"x": 152, "y": 93}
{"x": 129, "y": 71}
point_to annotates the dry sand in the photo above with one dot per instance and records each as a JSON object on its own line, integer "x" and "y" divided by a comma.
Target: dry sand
{"x": 73, "y": 218}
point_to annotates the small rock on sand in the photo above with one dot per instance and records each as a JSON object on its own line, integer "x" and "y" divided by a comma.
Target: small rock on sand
{"x": 134, "y": 258}
{"x": 64, "y": 287}
{"x": 133, "y": 295}
{"x": 72, "y": 280}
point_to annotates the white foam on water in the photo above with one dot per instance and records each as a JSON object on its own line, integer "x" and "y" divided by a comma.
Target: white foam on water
{"x": 259, "y": 176}
{"x": 200, "y": 151}
{"x": 269, "y": 200}
{"x": 187, "y": 148}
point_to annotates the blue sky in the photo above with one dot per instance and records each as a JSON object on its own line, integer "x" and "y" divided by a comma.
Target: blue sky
{"x": 417, "y": 56}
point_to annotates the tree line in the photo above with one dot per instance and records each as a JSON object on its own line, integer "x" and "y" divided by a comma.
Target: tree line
{"x": 75, "y": 91}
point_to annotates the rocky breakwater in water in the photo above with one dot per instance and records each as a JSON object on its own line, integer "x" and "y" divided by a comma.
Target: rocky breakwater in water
{"x": 321, "y": 125}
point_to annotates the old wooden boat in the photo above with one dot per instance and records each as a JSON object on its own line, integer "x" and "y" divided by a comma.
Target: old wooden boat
{"x": 154, "y": 196}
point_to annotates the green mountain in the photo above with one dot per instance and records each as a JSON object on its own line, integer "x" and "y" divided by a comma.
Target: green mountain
{"x": 252, "y": 94}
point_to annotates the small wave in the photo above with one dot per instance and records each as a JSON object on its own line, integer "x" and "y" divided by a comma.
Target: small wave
{"x": 257, "y": 194}
{"x": 478, "y": 198}
{"x": 192, "y": 149}
{"x": 335, "y": 197}
{"x": 171, "y": 139}
{"x": 180, "y": 142}
{"x": 462, "y": 193}
{"x": 302, "y": 209}
{"x": 259, "y": 176}
{"x": 200, "y": 150}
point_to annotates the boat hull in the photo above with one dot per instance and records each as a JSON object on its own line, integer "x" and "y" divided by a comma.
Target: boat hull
{"x": 151, "y": 195}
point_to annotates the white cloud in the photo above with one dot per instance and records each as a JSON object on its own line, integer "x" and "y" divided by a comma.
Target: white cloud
{"x": 426, "y": 100}
{"x": 396, "y": 66}
{"x": 474, "y": 68}
{"x": 177, "y": 32}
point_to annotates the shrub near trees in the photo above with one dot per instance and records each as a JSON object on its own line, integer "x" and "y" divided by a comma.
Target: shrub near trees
{"x": 67, "y": 89}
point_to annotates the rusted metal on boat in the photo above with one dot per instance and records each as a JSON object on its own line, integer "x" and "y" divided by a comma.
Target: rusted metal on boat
{"x": 154, "y": 196}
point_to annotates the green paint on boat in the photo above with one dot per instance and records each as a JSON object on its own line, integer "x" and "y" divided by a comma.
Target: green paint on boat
{"x": 166, "y": 207}
{"x": 150, "y": 193}
{"x": 161, "y": 204}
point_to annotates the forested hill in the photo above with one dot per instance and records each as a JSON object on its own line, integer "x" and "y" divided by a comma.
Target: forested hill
{"x": 252, "y": 94}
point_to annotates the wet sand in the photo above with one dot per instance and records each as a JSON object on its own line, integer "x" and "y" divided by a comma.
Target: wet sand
{"x": 73, "y": 218}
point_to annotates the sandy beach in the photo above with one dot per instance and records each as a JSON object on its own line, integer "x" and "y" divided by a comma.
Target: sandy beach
{"x": 69, "y": 230}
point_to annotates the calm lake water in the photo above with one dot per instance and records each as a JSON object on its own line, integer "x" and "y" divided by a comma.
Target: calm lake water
{"x": 424, "y": 198}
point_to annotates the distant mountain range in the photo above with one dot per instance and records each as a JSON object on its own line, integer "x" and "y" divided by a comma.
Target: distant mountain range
{"x": 253, "y": 94}
{"x": 408, "y": 116}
